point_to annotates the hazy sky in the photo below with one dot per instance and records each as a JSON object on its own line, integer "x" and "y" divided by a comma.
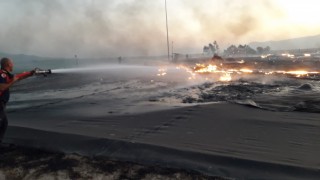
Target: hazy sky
{"x": 99, "y": 28}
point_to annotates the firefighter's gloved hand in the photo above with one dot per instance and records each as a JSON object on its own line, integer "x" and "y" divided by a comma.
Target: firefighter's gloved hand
{"x": 33, "y": 72}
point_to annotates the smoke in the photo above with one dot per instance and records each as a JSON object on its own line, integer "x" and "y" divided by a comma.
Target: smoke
{"x": 86, "y": 28}
{"x": 92, "y": 28}
{"x": 229, "y": 22}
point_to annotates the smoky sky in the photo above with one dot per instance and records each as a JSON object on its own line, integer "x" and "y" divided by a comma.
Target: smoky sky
{"x": 106, "y": 28}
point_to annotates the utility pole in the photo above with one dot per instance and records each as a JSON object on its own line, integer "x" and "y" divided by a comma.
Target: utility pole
{"x": 165, "y": 2}
{"x": 172, "y": 50}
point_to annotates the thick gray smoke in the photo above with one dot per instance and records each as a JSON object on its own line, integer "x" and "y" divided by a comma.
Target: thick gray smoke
{"x": 87, "y": 28}
{"x": 92, "y": 28}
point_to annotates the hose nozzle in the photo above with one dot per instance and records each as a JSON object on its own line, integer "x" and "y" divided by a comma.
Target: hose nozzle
{"x": 44, "y": 72}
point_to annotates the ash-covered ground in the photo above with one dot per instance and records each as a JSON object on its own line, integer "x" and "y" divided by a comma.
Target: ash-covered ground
{"x": 29, "y": 163}
{"x": 159, "y": 115}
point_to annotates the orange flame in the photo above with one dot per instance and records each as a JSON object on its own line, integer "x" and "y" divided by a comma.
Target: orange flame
{"x": 226, "y": 74}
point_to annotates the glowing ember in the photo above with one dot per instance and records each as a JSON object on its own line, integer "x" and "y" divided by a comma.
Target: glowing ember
{"x": 265, "y": 56}
{"x": 201, "y": 68}
{"x": 246, "y": 70}
{"x": 162, "y": 72}
{"x": 188, "y": 70}
{"x": 300, "y": 73}
{"x": 288, "y": 55}
{"x": 297, "y": 72}
{"x": 226, "y": 77}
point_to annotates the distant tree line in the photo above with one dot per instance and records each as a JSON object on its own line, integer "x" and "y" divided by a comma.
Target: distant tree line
{"x": 246, "y": 50}
{"x": 213, "y": 48}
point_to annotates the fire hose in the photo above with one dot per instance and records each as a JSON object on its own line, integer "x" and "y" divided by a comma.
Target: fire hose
{"x": 36, "y": 71}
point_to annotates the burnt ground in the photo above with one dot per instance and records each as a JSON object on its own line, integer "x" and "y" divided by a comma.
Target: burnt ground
{"x": 18, "y": 162}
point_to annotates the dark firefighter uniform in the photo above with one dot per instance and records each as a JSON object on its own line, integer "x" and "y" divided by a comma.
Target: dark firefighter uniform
{"x": 5, "y": 77}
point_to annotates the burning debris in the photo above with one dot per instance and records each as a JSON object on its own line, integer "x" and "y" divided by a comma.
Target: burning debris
{"x": 162, "y": 72}
{"x": 225, "y": 71}
{"x": 283, "y": 85}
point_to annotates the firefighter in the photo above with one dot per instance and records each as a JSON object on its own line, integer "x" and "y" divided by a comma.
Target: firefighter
{"x": 6, "y": 81}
